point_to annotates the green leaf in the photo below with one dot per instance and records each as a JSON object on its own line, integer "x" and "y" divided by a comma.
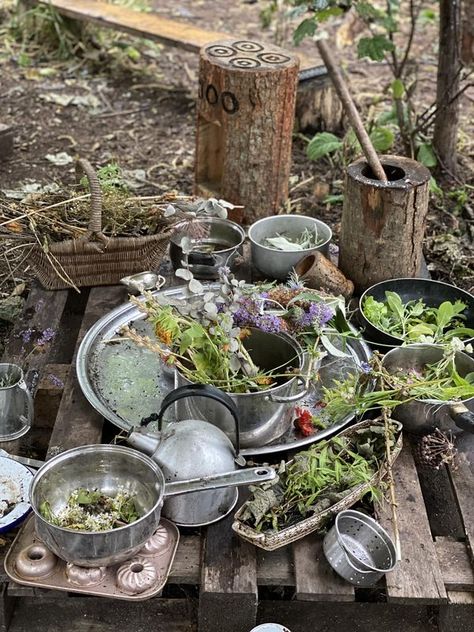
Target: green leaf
{"x": 398, "y": 89}
{"x": 323, "y": 144}
{"x": 306, "y": 28}
{"x": 330, "y": 12}
{"x": 426, "y": 155}
{"x": 374, "y": 47}
{"x": 395, "y": 303}
{"x": 427, "y": 15}
{"x": 389, "y": 116}
{"x": 435, "y": 188}
{"x": 444, "y": 314}
{"x": 382, "y": 138}
{"x": 334, "y": 199}
{"x": 133, "y": 53}
{"x": 367, "y": 10}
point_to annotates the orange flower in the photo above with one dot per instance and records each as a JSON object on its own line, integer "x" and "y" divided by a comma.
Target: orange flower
{"x": 244, "y": 333}
{"x": 163, "y": 335}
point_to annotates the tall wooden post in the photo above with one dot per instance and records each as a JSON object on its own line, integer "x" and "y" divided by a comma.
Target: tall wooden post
{"x": 246, "y": 109}
{"x": 383, "y": 223}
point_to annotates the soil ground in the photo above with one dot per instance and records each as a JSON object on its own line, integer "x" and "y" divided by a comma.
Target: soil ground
{"x": 142, "y": 115}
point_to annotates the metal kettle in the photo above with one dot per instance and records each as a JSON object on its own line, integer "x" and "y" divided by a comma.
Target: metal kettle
{"x": 191, "y": 449}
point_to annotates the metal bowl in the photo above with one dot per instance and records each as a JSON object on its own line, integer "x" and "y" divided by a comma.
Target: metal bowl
{"x": 216, "y": 242}
{"x": 277, "y": 264}
{"x": 108, "y": 468}
{"x": 433, "y": 294}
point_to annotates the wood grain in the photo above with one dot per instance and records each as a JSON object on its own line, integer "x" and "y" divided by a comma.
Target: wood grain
{"x": 455, "y": 564}
{"x": 417, "y": 577}
{"x": 315, "y": 579}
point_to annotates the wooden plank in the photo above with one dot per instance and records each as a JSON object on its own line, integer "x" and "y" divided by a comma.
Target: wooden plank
{"x": 43, "y": 310}
{"x": 458, "y": 615}
{"x": 228, "y": 596}
{"x": 461, "y": 598}
{"x": 275, "y": 568}
{"x": 96, "y": 614}
{"x": 151, "y": 26}
{"x": 315, "y": 579}
{"x": 77, "y": 423}
{"x": 417, "y": 577}
{"x": 49, "y": 393}
{"x": 462, "y": 478}
{"x": 455, "y": 564}
{"x": 186, "y": 567}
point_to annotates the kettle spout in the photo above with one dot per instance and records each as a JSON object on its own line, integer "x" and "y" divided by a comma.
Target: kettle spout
{"x": 146, "y": 442}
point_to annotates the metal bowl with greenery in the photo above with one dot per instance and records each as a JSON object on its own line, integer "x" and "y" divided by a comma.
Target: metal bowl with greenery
{"x": 405, "y": 311}
{"x": 280, "y": 241}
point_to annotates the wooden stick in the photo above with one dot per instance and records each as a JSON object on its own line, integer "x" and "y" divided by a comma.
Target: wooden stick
{"x": 391, "y": 486}
{"x": 351, "y": 110}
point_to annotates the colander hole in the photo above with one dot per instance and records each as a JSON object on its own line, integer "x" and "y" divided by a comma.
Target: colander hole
{"x": 136, "y": 567}
{"x": 261, "y": 472}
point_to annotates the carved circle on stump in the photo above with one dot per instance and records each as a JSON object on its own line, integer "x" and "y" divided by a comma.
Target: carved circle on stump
{"x": 383, "y": 224}
{"x": 246, "y": 105}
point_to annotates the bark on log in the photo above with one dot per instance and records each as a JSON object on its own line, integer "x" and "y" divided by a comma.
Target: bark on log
{"x": 246, "y": 110}
{"x": 447, "y": 84}
{"x": 383, "y": 223}
{"x": 320, "y": 273}
{"x": 318, "y": 108}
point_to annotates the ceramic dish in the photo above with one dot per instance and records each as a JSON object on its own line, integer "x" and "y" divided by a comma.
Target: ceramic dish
{"x": 15, "y": 481}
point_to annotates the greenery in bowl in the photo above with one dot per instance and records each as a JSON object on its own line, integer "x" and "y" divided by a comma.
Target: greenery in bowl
{"x": 414, "y": 321}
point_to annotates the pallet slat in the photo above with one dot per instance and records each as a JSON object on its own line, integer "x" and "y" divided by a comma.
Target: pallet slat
{"x": 228, "y": 581}
{"x": 417, "y": 576}
{"x": 455, "y": 564}
{"x": 462, "y": 478}
{"x": 77, "y": 423}
{"x": 315, "y": 579}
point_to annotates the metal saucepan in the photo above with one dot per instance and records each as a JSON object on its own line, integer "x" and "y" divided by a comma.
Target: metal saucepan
{"x": 110, "y": 468}
{"x": 422, "y": 416}
{"x": 263, "y": 415}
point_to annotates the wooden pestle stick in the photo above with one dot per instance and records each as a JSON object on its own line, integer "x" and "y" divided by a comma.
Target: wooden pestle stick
{"x": 351, "y": 110}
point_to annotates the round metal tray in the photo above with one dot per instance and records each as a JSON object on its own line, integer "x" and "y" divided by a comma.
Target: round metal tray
{"x": 126, "y": 383}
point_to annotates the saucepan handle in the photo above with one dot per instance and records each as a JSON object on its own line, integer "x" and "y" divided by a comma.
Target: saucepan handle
{"x": 291, "y": 398}
{"x": 462, "y": 417}
{"x": 227, "y": 479}
{"x": 202, "y": 390}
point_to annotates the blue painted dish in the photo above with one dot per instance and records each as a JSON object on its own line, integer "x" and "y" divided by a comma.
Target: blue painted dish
{"x": 15, "y": 480}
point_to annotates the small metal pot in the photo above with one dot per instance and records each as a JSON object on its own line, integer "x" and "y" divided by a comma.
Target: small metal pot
{"x": 263, "y": 415}
{"x": 110, "y": 468}
{"x": 277, "y": 264}
{"x": 359, "y": 549}
{"x": 422, "y": 416}
{"x": 219, "y": 246}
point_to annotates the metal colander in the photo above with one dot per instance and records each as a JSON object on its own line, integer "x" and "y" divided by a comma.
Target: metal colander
{"x": 359, "y": 549}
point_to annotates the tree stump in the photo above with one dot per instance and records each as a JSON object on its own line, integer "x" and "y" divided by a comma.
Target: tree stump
{"x": 383, "y": 223}
{"x": 246, "y": 107}
{"x": 318, "y": 108}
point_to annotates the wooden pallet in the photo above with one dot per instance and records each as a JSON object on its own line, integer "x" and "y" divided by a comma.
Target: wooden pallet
{"x": 219, "y": 582}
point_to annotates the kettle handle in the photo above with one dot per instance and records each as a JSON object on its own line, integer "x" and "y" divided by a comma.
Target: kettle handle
{"x": 202, "y": 390}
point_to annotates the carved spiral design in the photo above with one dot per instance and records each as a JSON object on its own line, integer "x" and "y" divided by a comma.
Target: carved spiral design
{"x": 273, "y": 58}
{"x": 81, "y": 576}
{"x": 246, "y": 46}
{"x": 219, "y": 50}
{"x": 136, "y": 576}
{"x": 245, "y": 62}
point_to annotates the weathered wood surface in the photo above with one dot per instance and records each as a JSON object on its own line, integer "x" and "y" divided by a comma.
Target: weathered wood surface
{"x": 77, "y": 423}
{"x": 246, "y": 106}
{"x": 462, "y": 478}
{"x": 417, "y": 577}
{"x": 453, "y": 557}
{"x": 383, "y": 225}
{"x": 315, "y": 579}
{"x": 229, "y": 595}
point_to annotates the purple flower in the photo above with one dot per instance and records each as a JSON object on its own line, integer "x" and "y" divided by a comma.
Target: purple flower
{"x": 248, "y": 315}
{"x": 47, "y": 335}
{"x": 365, "y": 366}
{"x": 318, "y": 315}
{"x": 55, "y": 381}
{"x": 26, "y": 334}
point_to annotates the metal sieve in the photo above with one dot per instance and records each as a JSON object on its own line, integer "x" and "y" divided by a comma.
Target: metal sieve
{"x": 359, "y": 549}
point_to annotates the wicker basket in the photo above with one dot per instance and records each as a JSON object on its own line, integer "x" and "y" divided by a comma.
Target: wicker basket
{"x": 95, "y": 259}
{"x": 269, "y": 541}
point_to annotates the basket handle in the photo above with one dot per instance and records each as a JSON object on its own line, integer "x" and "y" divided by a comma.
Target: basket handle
{"x": 95, "y": 222}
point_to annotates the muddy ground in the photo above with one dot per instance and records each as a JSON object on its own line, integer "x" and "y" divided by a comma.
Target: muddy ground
{"x": 141, "y": 113}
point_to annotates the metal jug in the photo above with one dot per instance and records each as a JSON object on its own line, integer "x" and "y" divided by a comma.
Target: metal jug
{"x": 194, "y": 448}
{"x": 16, "y": 403}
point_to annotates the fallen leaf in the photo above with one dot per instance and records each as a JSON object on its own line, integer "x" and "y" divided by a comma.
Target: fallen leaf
{"x": 60, "y": 159}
